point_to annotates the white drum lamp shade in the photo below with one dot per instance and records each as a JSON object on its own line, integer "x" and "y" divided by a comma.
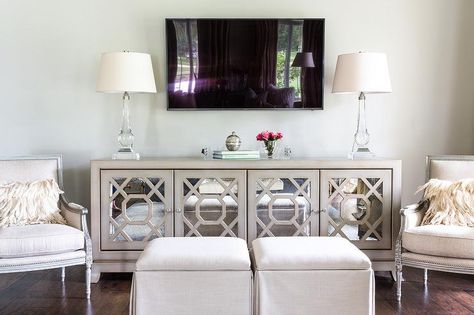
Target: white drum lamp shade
{"x": 126, "y": 72}
{"x": 362, "y": 72}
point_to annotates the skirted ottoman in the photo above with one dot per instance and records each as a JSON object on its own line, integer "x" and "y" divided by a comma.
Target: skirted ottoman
{"x": 311, "y": 275}
{"x": 193, "y": 275}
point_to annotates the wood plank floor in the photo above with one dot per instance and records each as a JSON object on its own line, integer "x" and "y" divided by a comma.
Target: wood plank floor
{"x": 41, "y": 292}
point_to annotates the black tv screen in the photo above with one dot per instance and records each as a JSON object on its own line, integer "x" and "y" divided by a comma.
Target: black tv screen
{"x": 245, "y": 63}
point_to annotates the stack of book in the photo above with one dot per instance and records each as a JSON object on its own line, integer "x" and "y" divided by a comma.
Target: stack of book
{"x": 236, "y": 155}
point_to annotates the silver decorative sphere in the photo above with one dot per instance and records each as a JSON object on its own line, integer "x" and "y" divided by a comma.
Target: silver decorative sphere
{"x": 233, "y": 142}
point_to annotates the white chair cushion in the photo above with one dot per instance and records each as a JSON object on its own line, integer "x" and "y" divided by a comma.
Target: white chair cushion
{"x": 39, "y": 239}
{"x": 440, "y": 240}
{"x": 308, "y": 253}
{"x": 195, "y": 253}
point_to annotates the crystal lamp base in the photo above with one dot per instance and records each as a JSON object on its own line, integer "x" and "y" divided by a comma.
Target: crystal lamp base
{"x": 361, "y": 153}
{"x": 126, "y": 155}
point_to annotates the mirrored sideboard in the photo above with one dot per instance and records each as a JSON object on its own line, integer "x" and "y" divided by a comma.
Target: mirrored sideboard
{"x": 133, "y": 202}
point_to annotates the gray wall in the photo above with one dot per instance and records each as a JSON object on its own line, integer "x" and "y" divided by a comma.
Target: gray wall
{"x": 50, "y": 51}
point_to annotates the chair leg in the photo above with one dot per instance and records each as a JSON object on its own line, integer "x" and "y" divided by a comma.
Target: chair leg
{"x": 63, "y": 274}
{"x": 425, "y": 277}
{"x": 399, "y": 266}
{"x": 399, "y": 284}
{"x": 88, "y": 281}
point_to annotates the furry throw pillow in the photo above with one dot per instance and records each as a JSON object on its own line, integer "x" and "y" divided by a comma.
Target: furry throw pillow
{"x": 33, "y": 202}
{"x": 449, "y": 203}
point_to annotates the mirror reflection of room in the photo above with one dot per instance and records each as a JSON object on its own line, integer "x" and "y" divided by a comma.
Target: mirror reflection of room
{"x": 245, "y": 63}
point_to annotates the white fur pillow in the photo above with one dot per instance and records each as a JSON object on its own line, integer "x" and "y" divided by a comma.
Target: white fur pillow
{"x": 30, "y": 203}
{"x": 449, "y": 203}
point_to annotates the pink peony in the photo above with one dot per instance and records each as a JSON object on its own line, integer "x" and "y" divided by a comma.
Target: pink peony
{"x": 269, "y": 136}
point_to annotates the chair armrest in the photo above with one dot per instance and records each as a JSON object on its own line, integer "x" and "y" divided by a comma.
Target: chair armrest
{"x": 412, "y": 215}
{"x": 71, "y": 206}
{"x": 74, "y": 214}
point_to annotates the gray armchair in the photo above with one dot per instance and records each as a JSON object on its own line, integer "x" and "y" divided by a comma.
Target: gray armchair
{"x": 44, "y": 246}
{"x": 436, "y": 247}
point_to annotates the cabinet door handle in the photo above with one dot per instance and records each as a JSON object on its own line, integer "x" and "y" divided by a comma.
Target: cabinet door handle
{"x": 178, "y": 210}
{"x": 169, "y": 210}
{"x": 318, "y": 211}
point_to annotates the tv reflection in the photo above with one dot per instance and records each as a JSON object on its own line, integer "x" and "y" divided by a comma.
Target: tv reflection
{"x": 243, "y": 63}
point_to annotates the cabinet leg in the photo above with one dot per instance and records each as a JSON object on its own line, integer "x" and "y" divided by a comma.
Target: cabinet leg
{"x": 393, "y": 273}
{"x": 95, "y": 274}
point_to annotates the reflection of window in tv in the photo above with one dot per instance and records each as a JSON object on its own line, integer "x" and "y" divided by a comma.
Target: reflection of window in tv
{"x": 187, "y": 53}
{"x": 290, "y": 39}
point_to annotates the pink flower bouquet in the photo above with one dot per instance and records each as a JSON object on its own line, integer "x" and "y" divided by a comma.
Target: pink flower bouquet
{"x": 269, "y": 139}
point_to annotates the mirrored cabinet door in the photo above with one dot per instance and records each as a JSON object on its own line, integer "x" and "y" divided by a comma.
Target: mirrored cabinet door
{"x": 283, "y": 203}
{"x": 356, "y": 204}
{"x": 210, "y": 203}
{"x": 136, "y": 207}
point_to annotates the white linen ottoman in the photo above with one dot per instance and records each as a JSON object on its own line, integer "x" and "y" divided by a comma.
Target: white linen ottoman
{"x": 311, "y": 275}
{"x": 193, "y": 275}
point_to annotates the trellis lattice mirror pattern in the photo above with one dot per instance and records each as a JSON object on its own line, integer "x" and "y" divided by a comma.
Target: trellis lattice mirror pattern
{"x": 212, "y": 205}
{"x": 357, "y": 208}
{"x": 244, "y": 63}
{"x": 137, "y": 208}
{"x": 283, "y": 205}
{"x": 137, "y": 201}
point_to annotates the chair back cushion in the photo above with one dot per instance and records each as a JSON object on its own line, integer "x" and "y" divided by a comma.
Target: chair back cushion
{"x": 451, "y": 168}
{"x": 30, "y": 169}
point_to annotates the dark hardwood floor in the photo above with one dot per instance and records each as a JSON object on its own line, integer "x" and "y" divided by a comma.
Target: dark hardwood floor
{"x": 41, "y": 292}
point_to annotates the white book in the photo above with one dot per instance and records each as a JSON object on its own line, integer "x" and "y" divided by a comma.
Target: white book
{"x": 242, "y": 152}
{"x": 236, "y": 157}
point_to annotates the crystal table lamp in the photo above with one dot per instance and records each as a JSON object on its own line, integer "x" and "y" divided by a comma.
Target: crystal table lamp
{"x": 361, "y": 73}
{"x": 126, "y": 72}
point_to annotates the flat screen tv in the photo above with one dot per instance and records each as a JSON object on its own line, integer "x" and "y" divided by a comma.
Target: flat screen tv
{"x": 233, "y": 64}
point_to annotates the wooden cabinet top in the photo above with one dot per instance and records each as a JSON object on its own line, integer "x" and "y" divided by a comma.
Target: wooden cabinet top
{"x": 199, "y": 163}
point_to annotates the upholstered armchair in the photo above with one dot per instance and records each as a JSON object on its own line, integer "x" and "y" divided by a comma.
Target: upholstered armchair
{"x": 44, "y": 246}
{"x": 436, "y": 247}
